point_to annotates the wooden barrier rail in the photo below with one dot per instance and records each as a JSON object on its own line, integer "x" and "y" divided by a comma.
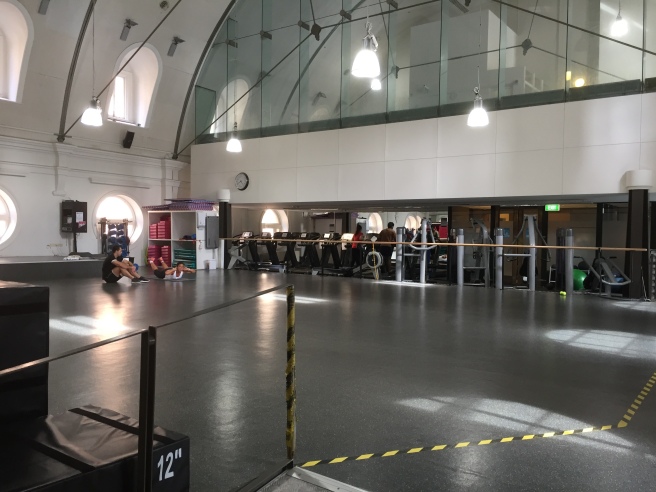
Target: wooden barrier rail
{"x": 394, "y": 243}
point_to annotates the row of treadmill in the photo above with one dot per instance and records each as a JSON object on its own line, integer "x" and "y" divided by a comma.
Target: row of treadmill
{"x": 317, "y": 256}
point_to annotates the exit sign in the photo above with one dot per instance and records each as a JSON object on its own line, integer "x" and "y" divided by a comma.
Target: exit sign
{"x": 552, "y": 207}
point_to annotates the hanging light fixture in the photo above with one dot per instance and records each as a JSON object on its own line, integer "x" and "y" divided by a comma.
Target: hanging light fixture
{"x": 620, "y": 27}
{"x": 92, "y": 116}
{"x": 376, "y": 85}
{"x": 366, "y": 63}
{"x": 234, "y": 145}
{"x": 478, "y": 116}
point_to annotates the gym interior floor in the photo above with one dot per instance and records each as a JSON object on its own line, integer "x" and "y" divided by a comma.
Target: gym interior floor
{"x": 380, "y": 367}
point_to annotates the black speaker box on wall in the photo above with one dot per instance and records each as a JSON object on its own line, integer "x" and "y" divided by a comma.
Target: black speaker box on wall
{"x": 127, "y": 141}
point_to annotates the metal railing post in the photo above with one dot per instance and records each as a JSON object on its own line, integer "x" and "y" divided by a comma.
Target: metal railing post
{"x": 290, "y": 374}
{"x": 400, "y": 266}
{"x": 460, "y": 255}
{"x": 498, "y": 259}
{"x": 146, "y": 410}
{"x": 569, "y": 261}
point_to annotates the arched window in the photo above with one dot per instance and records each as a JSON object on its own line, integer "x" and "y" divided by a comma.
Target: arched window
{"x": 375, "y": 223}
{"x": 233, "y": 91}
{"x": 274, "y": 221}
{"x": 411, "y": 222}
{"x": 8, "y": 217}
{"x": 116, "y": 208}
{"x": 16, "y": 34}
{"x": 134, "y": 89}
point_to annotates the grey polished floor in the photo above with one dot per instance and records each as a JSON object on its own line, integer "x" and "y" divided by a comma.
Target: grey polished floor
{"x": 380, "y": 367}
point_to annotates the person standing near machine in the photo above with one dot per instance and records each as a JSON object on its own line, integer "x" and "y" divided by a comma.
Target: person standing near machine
{"x": 387, "y": 236}
{"x": 356, "y": 251}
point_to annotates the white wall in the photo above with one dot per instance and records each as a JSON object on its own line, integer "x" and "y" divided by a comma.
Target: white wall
{"x": 38, "y": 176}
{"x": 572, "y": 149}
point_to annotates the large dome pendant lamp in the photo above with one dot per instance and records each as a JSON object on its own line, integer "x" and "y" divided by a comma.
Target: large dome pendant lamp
{"x": 92, "y": 116}
{"x": 366, "y": 63}
{"x": 620, "y": 27}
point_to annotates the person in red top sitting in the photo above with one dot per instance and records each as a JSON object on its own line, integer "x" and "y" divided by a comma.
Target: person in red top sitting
{"x": 356, "y": 251}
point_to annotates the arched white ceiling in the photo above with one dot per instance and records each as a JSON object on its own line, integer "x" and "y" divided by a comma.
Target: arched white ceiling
{"x": 55, "y": 37}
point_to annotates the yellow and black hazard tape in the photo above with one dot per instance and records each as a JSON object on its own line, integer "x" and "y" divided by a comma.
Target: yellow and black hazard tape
{"x": 637, "y": 403}
{"x": 630, "y": 413}
{"x": 465, "y": 444}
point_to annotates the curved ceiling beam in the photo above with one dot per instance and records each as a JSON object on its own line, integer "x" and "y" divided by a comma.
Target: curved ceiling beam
{"x": 194, "y": 77}
{"x": 61, "y": 135}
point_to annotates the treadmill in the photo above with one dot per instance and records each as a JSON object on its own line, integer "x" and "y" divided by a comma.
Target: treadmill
{"x": 288, "y": 239}
{"x": 331, "y": 261}
{"x": 273, "y": 265}
{"x": 310, "y": 258}
{"x": 238, "y": 244}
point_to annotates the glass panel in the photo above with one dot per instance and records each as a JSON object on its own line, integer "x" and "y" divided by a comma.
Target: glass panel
{"x": 463, "y": 29}
{"x": 205, "y": 110}
{"x": 358, "y": 95}
{"x": 320, "y": 67}
{"x": 601, "y": 17}
{"x": 244, "y": 70}
{"x": 593, "y": 60}
{"x": 533, "y": 48}
{"x": 596, "y": 60}
{"x": 414, "y": 58}
{"x": 277, "y": 85}
{"x": 650, "y": 40}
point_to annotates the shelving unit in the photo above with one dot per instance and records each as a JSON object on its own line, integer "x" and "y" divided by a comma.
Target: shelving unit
{"x": 178, "y": 224}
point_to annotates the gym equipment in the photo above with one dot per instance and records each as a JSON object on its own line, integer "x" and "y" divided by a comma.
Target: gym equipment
{"x": 338, "y": 268}
{"x": 425, "y": 230}
{"x": 480, "y": 256}
{"x": 290, "y": 259}
{"x": 309, "y": 262}
{"x": 604, "y": 272}
{"x": 578, "y": 277}
{"x": 236, "y": 258}
{"x": 530, "y": 226}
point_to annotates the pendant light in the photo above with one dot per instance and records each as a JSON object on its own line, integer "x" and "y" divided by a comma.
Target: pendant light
{"x": 92, "y": 116}
{"x": 478, "y": 116}
{"x": 376, "y": 85}
{"x": 366, "y": 63}
{"x": 620, "y": 27}
{"x": 234, "y": 145}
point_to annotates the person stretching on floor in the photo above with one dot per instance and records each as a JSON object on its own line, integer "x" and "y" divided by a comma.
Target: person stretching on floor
{"x": 164, "y": 270}
{"x": 113, "y": 268}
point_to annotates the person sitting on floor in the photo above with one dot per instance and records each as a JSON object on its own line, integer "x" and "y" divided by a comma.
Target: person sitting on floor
{"x": 165, "y": 270}
{"x": 114, "y": 268}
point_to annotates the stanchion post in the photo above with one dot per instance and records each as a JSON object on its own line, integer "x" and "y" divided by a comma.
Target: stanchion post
{"x": 460, "y": 255}
{"x": 400, "y": 266}
{"x": 146, "y": 410}
{"x": 498, "y": 259}
{"x": 290, "y": 374}
{"x": 569, "y": 262}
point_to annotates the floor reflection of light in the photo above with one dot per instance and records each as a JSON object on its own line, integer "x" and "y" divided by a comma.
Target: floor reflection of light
{"x": 85, "y": 325}
{"x": 614, "y": 342}
{"x": 512, "y": 419}
{"x": 298, "y": 299}
{"x": 637, "y": 305}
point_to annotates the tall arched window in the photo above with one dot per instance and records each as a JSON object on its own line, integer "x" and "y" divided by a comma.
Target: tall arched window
{"x": 274, "y": 221}
{"x": 233, "y": 91}
{"x": 8, "y": 217}
{"x": 134, "y": 89}
{"x": 375, "y": 223}
{"x": 16, "y": 34}
{"x": 116, "y": 208}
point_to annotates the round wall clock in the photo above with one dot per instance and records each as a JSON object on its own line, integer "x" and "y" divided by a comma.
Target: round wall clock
{"x": 241, "y": 181}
